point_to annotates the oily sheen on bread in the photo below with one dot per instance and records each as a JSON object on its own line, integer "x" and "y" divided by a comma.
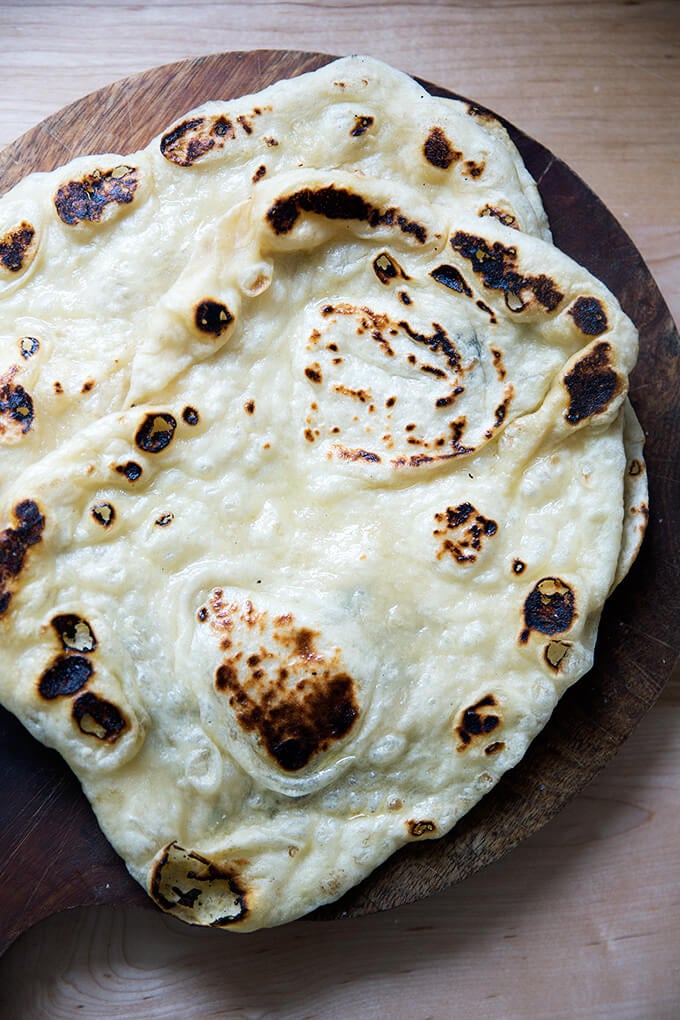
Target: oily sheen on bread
{"x": 317, "y": 469}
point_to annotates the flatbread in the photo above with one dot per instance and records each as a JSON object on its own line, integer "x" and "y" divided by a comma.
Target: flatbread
{"x": 318, "y": 523}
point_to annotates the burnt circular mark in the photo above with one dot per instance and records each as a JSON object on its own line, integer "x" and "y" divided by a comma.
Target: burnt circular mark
{"x": 17, "y": 405}
{"x": 249, "y": 407}
{"x": 164, "y": 520}
{"x": 28, "y": 346}
{"x": 202, "y": 614}
{"x": 592, "y": 384}
{"x": 212, "y": 317}
{"x": 98, "y": 718}
{"x": 313, "y": 373}
{"x": 451, "y": 277}
{"x": 259, "y": 173}
{"x": 190, "y": 416}
{"x": 589, "y": 315}
{"x": 131, "y": 469}
{"x": 67, "y": 675}
{"x": 473, "y": 169}
{"x": 15, "y": 246}
{"x": 385, "y": 267}
{"x": 155, "y": 432}
{"x": 361, "y": 125}
{"x": 477, "y": 722}
{"x": 298, "y": 724}
{"x": 74, "y": 633}
{"x": 438, "y": 150}
{"x": 88, "y": 198}
{"x": 549, "y": 608}
{"x": 518, "y": 566}
{"x": 104, "y": 514}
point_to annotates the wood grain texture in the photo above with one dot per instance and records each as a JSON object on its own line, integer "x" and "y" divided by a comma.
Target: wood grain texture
{"x": 598, "y": 83}
{"x": 579, "y": 923}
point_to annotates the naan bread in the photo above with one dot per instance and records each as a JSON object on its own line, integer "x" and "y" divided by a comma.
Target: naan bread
{"x": 318, "y": 467}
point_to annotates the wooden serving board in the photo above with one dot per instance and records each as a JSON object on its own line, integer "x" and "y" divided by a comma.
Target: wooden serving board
{"x": 52, "y": 853}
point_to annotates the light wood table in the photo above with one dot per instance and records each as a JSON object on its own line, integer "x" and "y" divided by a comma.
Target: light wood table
{"x": 582, "y": 920}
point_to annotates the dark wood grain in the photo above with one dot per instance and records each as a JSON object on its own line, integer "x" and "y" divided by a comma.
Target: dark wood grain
{"x": 52, "y": 852}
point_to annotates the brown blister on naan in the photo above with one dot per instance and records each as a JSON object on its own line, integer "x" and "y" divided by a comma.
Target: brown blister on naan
{"x": 17, "y": 412}
{"x": 346, "y": 453}
{"x": 496, "y": 265}
{"x": 28, "y": 346}
{"x": 423, "y": 827}
{"x": 501, "y": 411}
{"x": 448, "y": 447}
{"x": 438, "y": 342}
{"x": 592, "y": 384}
{"x": 98, "y": 718}
{"x": 387, "y": 269}
{"x": 190, "y": 416}
{"x": 451, "y": 278}
{"x": 338, "y": 204}
{"x": 361, "y": 125}
{"x": 130, "y": 469}
{"x": 463, "y": 532}
{"x": 14, "y": 545}
{"x": 495, "y": 747}
{"x": 212, "y": 317}
{"x": 549, "y": 608}
{"x": 505, "y": 217}
{"x": 589, "y": 315}
{"x": 192, "y": 139}
{"x": 65, "y": 676}
{"x": 489, "y": 311}
{"x": 96, "y": 195}
{"x": 473, "y": 169}
{"x": 297, "y": 699}
{"x": 555, "y": 654}
{"x": 439, "y": 151}
{"x": 18, "y": 247}
{"x": 156, "y": 431}
{"x": 198, "y": 889}
{"x": 104, "y": 514}
{"x": 476, "y": 722}
{"x": 481, "y": 114}
{"x": 74, "y": 632}
{"x": 498, "y": 363}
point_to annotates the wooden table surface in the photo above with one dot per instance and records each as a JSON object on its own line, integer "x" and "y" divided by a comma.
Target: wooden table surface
{"x": 583, "y": 919}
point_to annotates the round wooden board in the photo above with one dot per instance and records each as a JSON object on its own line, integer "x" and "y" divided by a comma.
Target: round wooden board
{"x": 52, "y": 852}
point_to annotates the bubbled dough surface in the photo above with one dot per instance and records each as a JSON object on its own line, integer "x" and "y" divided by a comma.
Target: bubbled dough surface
{"x": 276, "y": 517}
